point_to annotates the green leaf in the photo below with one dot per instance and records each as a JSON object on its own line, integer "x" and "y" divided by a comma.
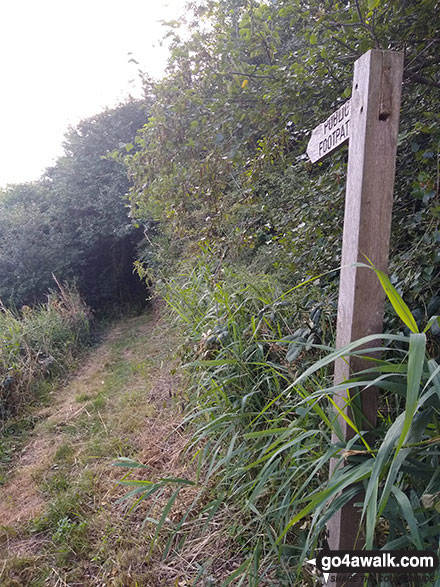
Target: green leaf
{"x": 408, "y": 513}
{"x": 346, "y": 477}
{"x": 344, "y": 416}
{"x": 241, "y": 569}
{"x": 178, "y": 480}
{"x": 416, "y": 359}
{"x": 370, "y": 523}
{"x": 140, "y": 482}
{"x": 262, "y": 433}
{"x": 163, "y": 517}
{"x": 396, "y": 300}
{"x": 431, "y": 322}
{"x": 129, "y": 463}
{"x": 380, "y": 463}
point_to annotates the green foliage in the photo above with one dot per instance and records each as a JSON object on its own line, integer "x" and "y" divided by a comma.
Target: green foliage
{"x": 37, "y": 344}
{"x": 221, "y": 163}
{"x": 222, "y": 157}
{"x": 74, "y": 222}
{"x": 66, "y": 530}
{"x": 31, "y": 247}
{"x": 252, "y": 439}
{"x": 262, "y": 426}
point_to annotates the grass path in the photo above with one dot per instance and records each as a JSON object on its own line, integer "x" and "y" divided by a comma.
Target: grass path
{"x": 60, "y": 520}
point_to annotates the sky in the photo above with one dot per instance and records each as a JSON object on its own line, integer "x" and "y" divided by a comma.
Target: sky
{"x": 65, "y": 60}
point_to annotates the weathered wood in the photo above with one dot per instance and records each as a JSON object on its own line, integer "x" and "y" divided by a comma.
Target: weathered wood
{"x": 330, "y": 135}
{"x": 374, "y": 122}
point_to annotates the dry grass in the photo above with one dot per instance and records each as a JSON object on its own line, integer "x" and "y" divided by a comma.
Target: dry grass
{"x": 63, "y": 523}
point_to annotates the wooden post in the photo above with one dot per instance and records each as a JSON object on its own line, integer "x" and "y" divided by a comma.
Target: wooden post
{"x": 374, "y": 122}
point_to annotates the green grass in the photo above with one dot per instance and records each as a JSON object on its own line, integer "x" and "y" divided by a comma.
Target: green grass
{"x": 81, "y": 533}
{"x": 247, "y": 440}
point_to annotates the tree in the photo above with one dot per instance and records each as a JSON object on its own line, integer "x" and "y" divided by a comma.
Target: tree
{"x": 31, "y": 247}
{"x": 74, "y": 221}
{"x": 222, "y": 158}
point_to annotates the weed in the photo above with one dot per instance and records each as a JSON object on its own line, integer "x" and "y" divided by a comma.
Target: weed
{"x": 56, "y": 483}
{"x": 66, "y": 527}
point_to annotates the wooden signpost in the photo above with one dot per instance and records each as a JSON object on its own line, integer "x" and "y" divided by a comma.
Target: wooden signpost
{"x": 371, "y": 121}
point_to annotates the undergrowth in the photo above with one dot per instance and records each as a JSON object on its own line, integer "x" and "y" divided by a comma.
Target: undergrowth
{"x": 38, "y": 343}
{"x": 252, "y": 441}
{"x": 261, "y": 412}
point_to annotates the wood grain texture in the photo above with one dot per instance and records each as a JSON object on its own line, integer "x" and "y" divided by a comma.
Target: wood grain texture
{"x": 374, "y": 123}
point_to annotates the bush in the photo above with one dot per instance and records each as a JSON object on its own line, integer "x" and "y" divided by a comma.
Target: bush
{"x": 37, "y": 343}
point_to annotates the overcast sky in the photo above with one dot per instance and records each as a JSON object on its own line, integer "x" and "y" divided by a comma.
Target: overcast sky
{"x": 64, "y": 60}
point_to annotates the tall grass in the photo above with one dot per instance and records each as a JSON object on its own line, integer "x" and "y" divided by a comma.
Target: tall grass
{"x": 262, "y": 419}
{"x": 251, "y": 439}
{"x": 37, "y": 343}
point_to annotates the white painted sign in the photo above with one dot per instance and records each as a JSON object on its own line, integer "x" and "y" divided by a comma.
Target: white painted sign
{"x": 329, "y": 135}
